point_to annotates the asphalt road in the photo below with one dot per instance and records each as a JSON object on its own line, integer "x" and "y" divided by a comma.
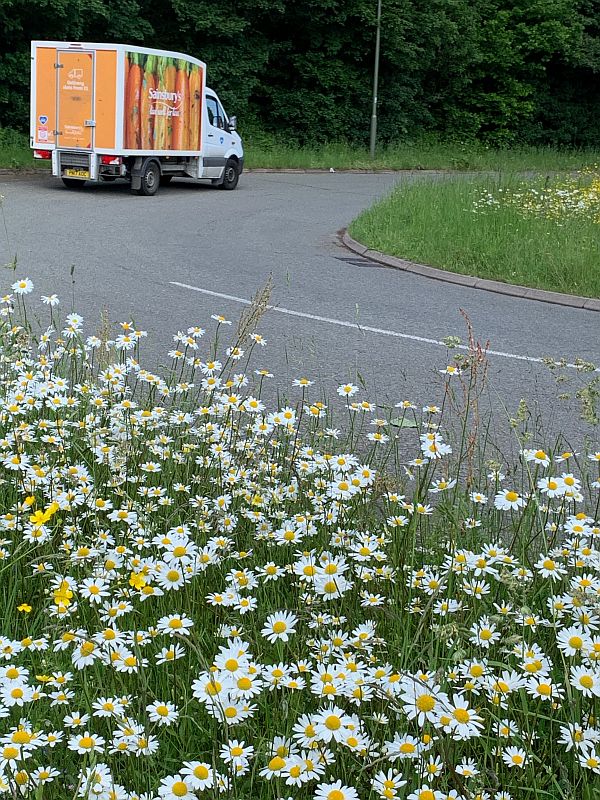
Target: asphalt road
{"x": 130, "y": 252}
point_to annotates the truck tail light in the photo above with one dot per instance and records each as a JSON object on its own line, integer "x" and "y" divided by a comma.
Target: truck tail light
{"x": 111, "y": 160}
{"x": 42, "y": 153}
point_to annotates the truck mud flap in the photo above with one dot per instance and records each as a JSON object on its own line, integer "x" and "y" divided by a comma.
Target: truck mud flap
{"x": 136, "y": 173}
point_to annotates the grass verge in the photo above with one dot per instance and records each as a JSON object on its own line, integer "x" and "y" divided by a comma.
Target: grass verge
{"x": 494, "y": 228}
{"x": 264, "y": 151}
{"x": 15, "y": 152}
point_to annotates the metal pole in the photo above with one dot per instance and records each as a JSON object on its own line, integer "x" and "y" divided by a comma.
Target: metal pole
{"x": 375, "y": 83}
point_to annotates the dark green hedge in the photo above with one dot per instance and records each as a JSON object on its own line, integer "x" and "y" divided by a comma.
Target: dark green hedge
{"x": 503, "y": 72}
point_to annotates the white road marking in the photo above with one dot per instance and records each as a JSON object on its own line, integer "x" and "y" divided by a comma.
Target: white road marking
{"x": 344, "y": 324}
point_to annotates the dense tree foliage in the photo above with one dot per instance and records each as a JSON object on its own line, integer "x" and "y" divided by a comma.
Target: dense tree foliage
{"x": 504, "y": 71}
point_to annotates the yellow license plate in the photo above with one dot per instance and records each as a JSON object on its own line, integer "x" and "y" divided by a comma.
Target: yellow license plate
{"x": 77, "y": 173}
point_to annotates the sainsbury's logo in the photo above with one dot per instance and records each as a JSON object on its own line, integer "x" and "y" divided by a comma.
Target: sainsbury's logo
{"x": 157, "y": 94}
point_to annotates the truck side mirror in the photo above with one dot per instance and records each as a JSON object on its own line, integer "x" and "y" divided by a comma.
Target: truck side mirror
{"x": 232, "y": 123}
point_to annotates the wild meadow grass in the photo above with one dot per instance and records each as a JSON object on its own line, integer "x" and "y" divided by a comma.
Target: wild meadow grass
{"x": 538, "y": 231}
{"x": 15, "y": 152}
{"x": 426, "y": 153}
{"x": 203, "y": 595}
{"x": 267, "y": 151}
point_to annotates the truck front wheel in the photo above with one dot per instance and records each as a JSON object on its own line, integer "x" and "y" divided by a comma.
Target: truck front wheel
{"x": 231, "y": 175}
{"x": 150, "y": 179}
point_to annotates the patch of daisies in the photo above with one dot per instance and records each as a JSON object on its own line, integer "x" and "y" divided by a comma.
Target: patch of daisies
{"x": 205, "y": 596}
{"x": 567, "y": 197}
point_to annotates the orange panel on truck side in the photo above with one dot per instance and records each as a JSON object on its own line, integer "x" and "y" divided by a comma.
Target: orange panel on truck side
{"x": 45, "y": 95}
{"x": 106, "y": 98}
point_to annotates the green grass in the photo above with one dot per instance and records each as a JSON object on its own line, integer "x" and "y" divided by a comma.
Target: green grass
{"x": 15, "y": 152}
{"x": 433, "y": 222}
{"x": 265, "y": 151}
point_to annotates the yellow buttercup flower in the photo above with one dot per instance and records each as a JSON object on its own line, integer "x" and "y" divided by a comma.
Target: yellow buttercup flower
{"x": 137, "y": 580}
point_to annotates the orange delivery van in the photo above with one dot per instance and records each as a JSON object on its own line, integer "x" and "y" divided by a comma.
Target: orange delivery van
{"x": 103, "y": 112}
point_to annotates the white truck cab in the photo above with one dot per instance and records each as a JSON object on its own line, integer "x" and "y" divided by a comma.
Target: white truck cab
{"x": 223, "y": 158}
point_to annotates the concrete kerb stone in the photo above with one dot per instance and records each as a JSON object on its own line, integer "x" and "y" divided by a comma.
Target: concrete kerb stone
{"x": 24, "y": 171}
{"x": 512, "y": 290}
{"x": 352, "y": 244}
{"x": 325, "y": 170}
{"x": 381, "y": 258}
{"x": 555, "y": 297}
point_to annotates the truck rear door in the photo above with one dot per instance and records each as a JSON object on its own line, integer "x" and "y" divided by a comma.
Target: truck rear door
{"x": 75, "y": 99}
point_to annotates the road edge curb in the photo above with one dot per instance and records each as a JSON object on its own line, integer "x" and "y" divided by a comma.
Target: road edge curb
{"x": 24, "y": 171}
{"x": 271, "y": 170}
{"x": 497, "y": 287}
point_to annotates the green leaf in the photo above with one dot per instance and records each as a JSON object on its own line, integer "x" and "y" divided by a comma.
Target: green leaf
{"x": 403, "y": 422}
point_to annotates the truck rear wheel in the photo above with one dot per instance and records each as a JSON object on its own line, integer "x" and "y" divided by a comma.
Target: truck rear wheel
{"x": 150, "y": 180}
{"x": 73, "y": 183}
{"x": 231, "y": 175}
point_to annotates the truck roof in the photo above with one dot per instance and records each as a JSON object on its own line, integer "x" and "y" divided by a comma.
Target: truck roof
{"x": 119, "y": 47}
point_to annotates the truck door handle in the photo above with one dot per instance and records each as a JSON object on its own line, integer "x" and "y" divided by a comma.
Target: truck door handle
{"x": 211, "y": 135}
